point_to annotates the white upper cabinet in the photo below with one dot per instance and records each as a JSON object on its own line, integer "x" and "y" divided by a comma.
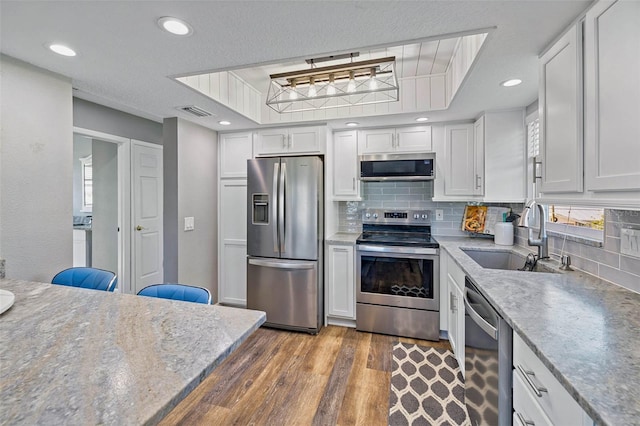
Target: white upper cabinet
{"x": 612, "y": 96}
{"x": 235, "y": 150}
{"x": 560, "y": 104}
{"x": 478, "y": 166}
{"x": 395, "y": 140}
{"x": 346, "y": 168}
{"x": 460, "y": 161}
{"x": 290, "y": 141}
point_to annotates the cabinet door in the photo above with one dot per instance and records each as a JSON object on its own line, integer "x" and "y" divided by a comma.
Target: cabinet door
{"x": 376, "y": 141}
{"x": 460, "y": 328}
{"x": 560, "y": 101}
{"x": 478, "y": 165}
{"x": 460, "y": 160}
{"x": 232, "y": 229}
{"x": 454, "y": 305}
{"x": 346, "y": 175}
{"x": 272, "y": 141}
{"x": 413, "y": 139}
{"x": 612, "y": 93}
{"x": 304, "y": 140}
{"x": 341, "y": 282}
{"x": 235, "y": 150}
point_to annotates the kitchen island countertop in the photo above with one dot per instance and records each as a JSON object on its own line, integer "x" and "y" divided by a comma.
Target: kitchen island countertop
{"x": 77, "y": 356}
{"x": 584, "y": 329}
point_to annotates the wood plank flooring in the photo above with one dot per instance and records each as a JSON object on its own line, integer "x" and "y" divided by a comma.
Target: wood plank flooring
{"x": 339, "y": 377}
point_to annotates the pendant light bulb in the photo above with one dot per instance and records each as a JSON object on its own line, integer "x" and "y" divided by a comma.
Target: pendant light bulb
{"x": 293, "y": 95}
{"x": 351, "y": 87}
{"x": 312, "y": 88}
{"x": 331, "y": 88}
{"x": 373, "y": 82}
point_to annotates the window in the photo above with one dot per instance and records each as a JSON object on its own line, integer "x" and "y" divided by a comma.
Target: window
{"x": 587, "y": 222}
{"x": 533, "y": 150}
{"x": 87, "y": 183}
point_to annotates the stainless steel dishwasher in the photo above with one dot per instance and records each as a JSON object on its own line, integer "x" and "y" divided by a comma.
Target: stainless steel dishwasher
{"x": 488, "y": 361}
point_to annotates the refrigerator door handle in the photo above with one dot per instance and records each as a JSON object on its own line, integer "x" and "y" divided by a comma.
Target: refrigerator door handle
{"x": 274, "y": 205}
{"x": 282, "y": 265}
{"x": 282, "y": 201}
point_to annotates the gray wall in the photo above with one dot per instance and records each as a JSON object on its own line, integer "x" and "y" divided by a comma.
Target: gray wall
{"x": 96, "y": 117}
{"x": 36, "y": 171}
{"x": 190, "y": 179}
{"x": 105, "y": 206}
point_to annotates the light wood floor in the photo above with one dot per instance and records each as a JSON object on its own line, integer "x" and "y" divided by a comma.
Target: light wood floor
{"x": 341, "y": 376}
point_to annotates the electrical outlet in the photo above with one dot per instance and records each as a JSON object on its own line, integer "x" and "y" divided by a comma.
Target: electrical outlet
{"x": 630, "y": 242}
{"x": 439, "y": 214}
{"x": 189, "y": 224}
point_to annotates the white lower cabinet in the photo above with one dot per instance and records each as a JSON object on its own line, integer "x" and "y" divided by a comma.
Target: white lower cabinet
{"x": 455, "y": 310}
{"x": 537, "y": 395}
{"x": 340, "y": 282}
{"x": 232, "y": 232}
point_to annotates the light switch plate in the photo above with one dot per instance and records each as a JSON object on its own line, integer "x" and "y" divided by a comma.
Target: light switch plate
{"x": 189, "y": 224}
{"x": 630, "y": 242}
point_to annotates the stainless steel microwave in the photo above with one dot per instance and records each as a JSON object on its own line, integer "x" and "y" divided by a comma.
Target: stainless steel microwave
{"x": 382, "y": 167}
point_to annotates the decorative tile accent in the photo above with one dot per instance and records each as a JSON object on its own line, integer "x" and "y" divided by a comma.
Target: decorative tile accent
{"x": 427, "y": 387}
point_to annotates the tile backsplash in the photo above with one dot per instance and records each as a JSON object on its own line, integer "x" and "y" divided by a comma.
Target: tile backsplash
{"x": 606, "y": 261}
{"x": 405, "y": 195}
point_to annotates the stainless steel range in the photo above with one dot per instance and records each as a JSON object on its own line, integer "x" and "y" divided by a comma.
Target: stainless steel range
{"x": 398, "y": 271}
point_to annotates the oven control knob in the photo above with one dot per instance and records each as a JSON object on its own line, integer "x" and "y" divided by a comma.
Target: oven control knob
{"x": 375, "y": 215}
{"x": 416, "y": 216}
{"x": 367, "y": 215}
{"x": 424, "y": 216}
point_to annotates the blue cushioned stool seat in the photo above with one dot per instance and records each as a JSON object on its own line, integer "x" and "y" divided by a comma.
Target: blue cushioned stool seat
{"x": 186, "y": 293}
{"x": 92, "y": 278}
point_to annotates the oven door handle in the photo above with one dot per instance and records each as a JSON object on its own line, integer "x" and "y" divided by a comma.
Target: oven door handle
{"x": 401, "y": 250}
{"x": 482, "y": 323}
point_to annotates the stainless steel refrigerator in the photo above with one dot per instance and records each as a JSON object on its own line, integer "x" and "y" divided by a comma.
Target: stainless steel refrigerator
{"x": 285, "y": 240}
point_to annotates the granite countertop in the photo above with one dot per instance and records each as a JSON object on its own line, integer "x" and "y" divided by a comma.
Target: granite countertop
{"x": 584, "y": 329}
{"x": 346, "y": 238}
{"x": 75, "y": 356}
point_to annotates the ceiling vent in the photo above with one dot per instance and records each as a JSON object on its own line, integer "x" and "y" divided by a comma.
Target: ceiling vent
{"x": 194, "y": 110}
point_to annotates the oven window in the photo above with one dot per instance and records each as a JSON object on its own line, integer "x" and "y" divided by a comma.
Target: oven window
{"x": 397, "y": 276}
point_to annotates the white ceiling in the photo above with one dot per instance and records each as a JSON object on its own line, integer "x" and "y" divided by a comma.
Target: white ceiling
{"x": 124, "y": 60}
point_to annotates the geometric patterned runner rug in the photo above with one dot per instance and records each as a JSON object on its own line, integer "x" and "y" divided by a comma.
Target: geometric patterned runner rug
{"x": 427, "y": 387}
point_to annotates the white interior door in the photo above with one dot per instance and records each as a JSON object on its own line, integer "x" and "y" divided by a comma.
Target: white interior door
{"x": 147, "y": 221}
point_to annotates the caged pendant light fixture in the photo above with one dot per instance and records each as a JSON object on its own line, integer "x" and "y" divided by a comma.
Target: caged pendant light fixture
{"x": 353, "y": 83}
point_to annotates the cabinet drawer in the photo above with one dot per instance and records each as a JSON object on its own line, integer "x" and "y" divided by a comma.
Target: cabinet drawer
{"x": 556, "y": 402}
{"x": 525, "y": 407}
{"x": 456, "y": 272}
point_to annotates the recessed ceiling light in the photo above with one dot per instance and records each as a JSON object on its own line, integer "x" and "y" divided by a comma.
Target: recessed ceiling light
{"x": 421, "y": 119}
{"x": 512, "y": 82}
{"x": 352, "y": 124}
{"x": 175, "y": 26}
{"x": 63, "y": 50}
{"x": 224, "y": 122}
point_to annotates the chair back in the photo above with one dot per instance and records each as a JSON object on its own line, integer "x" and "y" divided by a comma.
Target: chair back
{"x": 92, "y": 278}
{"x": 182, "y": 292}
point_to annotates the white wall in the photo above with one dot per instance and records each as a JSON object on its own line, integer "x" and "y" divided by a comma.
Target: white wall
{"x": 191, "y": 190}
{"x": 36, "y": 171}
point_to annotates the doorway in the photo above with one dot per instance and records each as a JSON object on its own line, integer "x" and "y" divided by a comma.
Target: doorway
{"x": 118, "y": 182}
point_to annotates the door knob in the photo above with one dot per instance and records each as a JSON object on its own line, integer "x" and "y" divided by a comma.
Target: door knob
{"x": 139, "y": 228}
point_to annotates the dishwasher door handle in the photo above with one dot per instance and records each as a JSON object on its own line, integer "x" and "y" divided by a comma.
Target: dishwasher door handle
{"x": 482, "y": 323}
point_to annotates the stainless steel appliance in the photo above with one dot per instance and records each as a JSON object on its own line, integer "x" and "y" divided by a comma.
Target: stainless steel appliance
{"x": 398, "y": 264}
{"x": 284, "y": 241}
{"x": 403, "y": 167}
{"x": 488, "y": 360}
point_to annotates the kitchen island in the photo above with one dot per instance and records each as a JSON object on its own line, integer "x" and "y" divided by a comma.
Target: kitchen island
{"x": 75, "y": 356}
{"x": 584, "y": 330}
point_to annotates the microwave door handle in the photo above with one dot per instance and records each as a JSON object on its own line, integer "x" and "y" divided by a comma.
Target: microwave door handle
{"x": 274, "y": 207}
{"x": 282, "y": 198}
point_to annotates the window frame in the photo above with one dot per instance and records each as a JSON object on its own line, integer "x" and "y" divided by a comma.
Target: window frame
{"x": 86, "y": 162}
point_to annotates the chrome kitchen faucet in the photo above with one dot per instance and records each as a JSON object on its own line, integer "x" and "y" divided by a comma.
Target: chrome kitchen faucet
{"x": 542, "y": 241}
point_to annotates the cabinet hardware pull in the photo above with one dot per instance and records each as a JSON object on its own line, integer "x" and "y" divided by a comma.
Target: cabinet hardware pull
{"x": 452, "y": 302}
{"x": 478, "y": 177}
{"x": 354, "y": 184}
{"x": 139, "y": 228}
{"x": 289, "y": 141}
{"x": 523, "y": 421}
{"x": 527, "y": 376}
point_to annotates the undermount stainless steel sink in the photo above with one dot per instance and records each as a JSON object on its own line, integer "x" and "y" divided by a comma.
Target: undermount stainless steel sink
{"x": 502, "y": 259}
